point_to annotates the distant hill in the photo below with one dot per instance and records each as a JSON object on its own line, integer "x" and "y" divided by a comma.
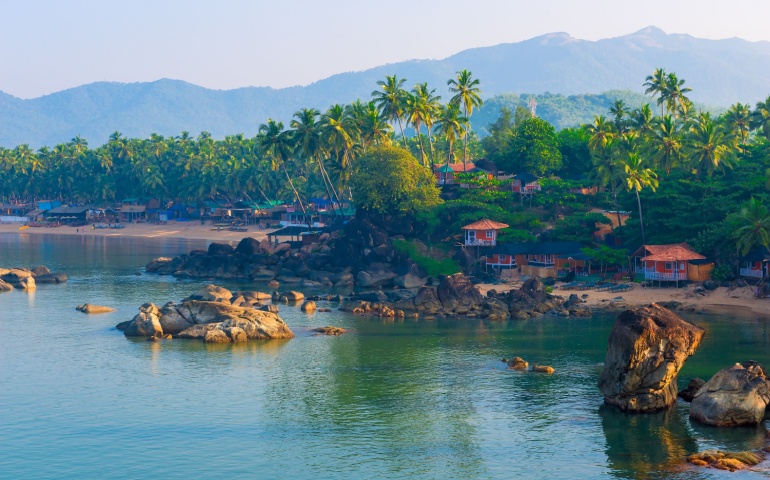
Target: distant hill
{"x": 720, "y": 72}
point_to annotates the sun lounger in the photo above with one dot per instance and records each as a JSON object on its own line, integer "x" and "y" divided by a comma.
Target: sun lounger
{"x": 623, "y": 287}
{"x": 570, "y": 285}
{"x": 586, "y": 286}
{"x": 604, "y": 286}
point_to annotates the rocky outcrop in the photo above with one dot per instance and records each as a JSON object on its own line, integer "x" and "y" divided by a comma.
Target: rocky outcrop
{"x": 457, "y": 294}
{"x": 737, "y": 395}
{"x": 730, "y": 461}
{"x": 27, "y": 279}
{"x": 213, "y": 321}
{"x": 692, "y": 388}
{"x": 647, "y": 348}
{"x": 518, "y": 363}
{"x": 330, "y": 330}
{"x": 88, "y": 308}
{"x": 308, "y": 307}
{"x": 5, "y": 287}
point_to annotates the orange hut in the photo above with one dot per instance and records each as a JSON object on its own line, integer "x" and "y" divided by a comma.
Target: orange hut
{"x": 665, "y": 263}
{"x": 482, "y": 233}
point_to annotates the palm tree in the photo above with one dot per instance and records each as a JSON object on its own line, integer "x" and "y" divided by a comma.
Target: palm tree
{"x": 277, "y": 143}
{"x": 607, "y": 171}
{"x": 665, "y": 145}
{"x": 737, "y": 120}
{"x": 753, "y": 226}
{"x": 372, "y": 125}
{"x": 760, "y": 119}
{"x": 619, "y": 110}
{"x": 710, "y": 148}
{"x": 642, "y": 120}
{"x": 674, "y": 93}
{"x": 467, "y": 92}
{"x": 390, "y": 100}
{"x": 601, "y": 134}
{"x": 638, "y": 177}
{"x": 656, "y": 85}
{"x": 451, "y": 125}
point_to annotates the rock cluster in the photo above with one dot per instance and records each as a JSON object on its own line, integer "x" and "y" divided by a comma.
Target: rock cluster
{"x": 26, "y": 279}
{"x": 329, "y": 330}
{"x": 456, "y": 295}
{"x": 518, "y": 363}
{"x": 731, "y": 461}
{"x": 737, "y": 395}
{"x": 647, "y": 348}
{"x": 213, "y": 314}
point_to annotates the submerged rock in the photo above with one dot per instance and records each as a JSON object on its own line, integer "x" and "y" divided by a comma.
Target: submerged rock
{"x": 734, "y": 396}
{"x": 731, "y": 461}
{"x": 329, "y": 330}
{"x": 647, "y": 348}
{"x": 88, "y": 308}
{"x": 518, "y": 363}
{"x": 692, "y": 388}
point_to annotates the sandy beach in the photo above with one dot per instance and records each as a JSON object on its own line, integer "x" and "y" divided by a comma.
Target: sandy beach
{"x": 737, "y": 301}
{"x": 185, "y": 230}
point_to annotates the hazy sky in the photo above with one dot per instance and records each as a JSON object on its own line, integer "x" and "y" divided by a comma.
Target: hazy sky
{"x": 50, "y": 45}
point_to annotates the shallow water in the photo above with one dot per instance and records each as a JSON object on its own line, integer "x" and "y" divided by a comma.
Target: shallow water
{"x": 410, "y": 399}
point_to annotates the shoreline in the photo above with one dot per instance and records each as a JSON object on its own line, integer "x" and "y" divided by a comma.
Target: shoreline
{"x": 175, "y": 230}
{"x": 725, "y": 301}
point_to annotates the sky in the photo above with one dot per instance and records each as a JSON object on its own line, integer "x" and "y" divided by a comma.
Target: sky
{"x": 51, "y": 45}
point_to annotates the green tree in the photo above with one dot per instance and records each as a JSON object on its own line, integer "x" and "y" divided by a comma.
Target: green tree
{"x": 451, "y": 125}
{"x": 638, "y": 177}
{"x": 656, "y": 85}
{"x": 391, "y": 99}
{"x": 535, "y": 148}
{"x": 468, "y": 94}
{"x": 497, "y": 143}
{"x": 752, "y": 226}
{"x": 389, "y": 180}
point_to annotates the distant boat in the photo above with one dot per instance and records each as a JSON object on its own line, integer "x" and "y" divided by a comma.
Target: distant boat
{"x": 23, "y": 227}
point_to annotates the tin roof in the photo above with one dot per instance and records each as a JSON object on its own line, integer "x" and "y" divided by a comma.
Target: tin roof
{"x": 485, "y": 225}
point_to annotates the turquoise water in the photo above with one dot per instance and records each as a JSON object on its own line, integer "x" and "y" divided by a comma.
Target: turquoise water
{"x": 410, "y": 399}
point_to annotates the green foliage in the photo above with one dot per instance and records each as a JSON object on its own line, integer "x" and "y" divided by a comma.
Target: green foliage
{"x": 515, "y": 235}
{"x": 548, "y": 289}
{"x": 579, "y": 227}
{"x": 482, "y": 188}
{"x": 389, "y": 180}
{"x": 607, "y": 257}
{"x": 721, "y": 273}
{"x": 576, "y": 157}
{"x": 534, "y": 148}
{"x": 432, "y": 266}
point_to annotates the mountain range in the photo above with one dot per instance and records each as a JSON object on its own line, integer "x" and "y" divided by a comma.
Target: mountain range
{"x": 556, "y": 65}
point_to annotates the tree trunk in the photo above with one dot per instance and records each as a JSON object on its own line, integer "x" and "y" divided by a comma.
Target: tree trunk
{"x": 432, "y": 153}
{"x": 641, "y": 221}
{"x": 422, "y": 150}
{"x": 403, "y": 137}
{"x": 617, "y": 212}
{"x": 296, "y": 195}
{"x": 465, "y": 141}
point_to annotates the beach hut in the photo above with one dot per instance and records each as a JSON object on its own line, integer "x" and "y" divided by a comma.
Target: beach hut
{"x": 508, "y": 255}
{"x": 665, "y": 263}
{"x": 525, "y": 184}
{"x": 482, "y": 233}
{"x": 445, "y": 175}
{"x": 754, "y": 263}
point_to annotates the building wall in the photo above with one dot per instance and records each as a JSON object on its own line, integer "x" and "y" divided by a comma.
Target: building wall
{"x": 699, "y": 273}
{"x": 541, "y": 272}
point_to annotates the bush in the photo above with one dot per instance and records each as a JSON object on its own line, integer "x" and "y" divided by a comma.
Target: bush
{"x": 721, "y": 273}
{"x": 432, "y": 266}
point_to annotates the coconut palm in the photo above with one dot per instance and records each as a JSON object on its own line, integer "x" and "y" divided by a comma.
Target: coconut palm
{"x": 372, "y": 125}
{"x": 390, "y": 100}
{"x": 451, "y": 125}
{"x": 274, "y": 141}
{"x": 656, "y": 85}
{"x": 737, "y": 120}
{"x": 753, "y": 226}
{"x": 760, "y": 119}
{"x": 468, "y": 94}
{"x": 639, "y": 177}
{"x": 619, "y": 110}
{"x": 642, "y": 120}
{"x": 674, "y": 93}
{"x": 665, "y": 144}
{"x": 601, "y": 134}
{"x": 710, "y": 147}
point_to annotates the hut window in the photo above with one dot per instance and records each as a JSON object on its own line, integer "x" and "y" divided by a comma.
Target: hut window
{"x": 681, "y": 265}
{"x": 490, "y": 234}
{"x": 668, "y": 266}
{"x": 503, "y": 258}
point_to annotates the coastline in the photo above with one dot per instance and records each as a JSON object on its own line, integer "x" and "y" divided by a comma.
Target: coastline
{"x": 180, "y": 230}
{"x": 738, "y": 301}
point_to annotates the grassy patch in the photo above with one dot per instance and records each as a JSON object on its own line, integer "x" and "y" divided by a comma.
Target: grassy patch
{"x": 422, "y": 257}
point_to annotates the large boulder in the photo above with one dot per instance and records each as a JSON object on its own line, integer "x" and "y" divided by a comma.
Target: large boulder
{"x": 88, "y": 308}
{"x": 51, "y": 278}
{"x": 27, "y": 283}
{"x": 647, "y": 348}
{"x": 5, "y": 287}
{"x": 220, "y": 249}
{"x": 409, "y": 281}
{"x": 426, "y": 300}
{"x": 456, "y": 293}
{"x": 737, "y": 395}
{"x": 248, "y": 246}
{"x": 14, "y": 276}
{"x": 377, "y": 278}
{"x": 212, "y": 293}
{"x": 39, "y": 270}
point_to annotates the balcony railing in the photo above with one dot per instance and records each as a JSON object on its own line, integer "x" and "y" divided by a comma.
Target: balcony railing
{"x": 541, "y": 264}
{"x": 750, "y": 272}
{"x": 475, "y": 242}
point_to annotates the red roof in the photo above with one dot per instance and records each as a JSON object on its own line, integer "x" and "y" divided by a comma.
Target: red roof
{"x": 459, "y": 167}
{"x": 667, "y": 253}
{"x": 485, "y": 225}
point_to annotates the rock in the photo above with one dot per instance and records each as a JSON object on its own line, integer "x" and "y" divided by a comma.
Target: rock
{"x": 375, "y": 296}
{"x": 269, "y": 308}
{"x": 543, "y": 369}
{"x": 731, "y": 461}
{"x": 518, "y": 363}
{"x": 157, "y": 264}
{"x": 308, "y": 307}
{"x": 216, "y": 335}
{"x": 254, "y": 295}
{"x": 710, "y": 285}
{"x": 220, "y": 249}
{"x": 409, "y": 281}
{"x": 248, "y": 246}
{"x": 88, "y": 308}
{"x": 293, "y": 296}
{"x": 379, "y": 278}
{"x": 456, "y": 293}
{"x": 14, "y": 276}
{"x": 426, "y": 300}
{"x": 330, "y": 330}
{"x": 737, "y": 395}
{"x": 212, "y": 293}
{"x": 273, "y": 284}
{"x": 51, "y": 278}
{"x": 39, "y": 270}
{"x": 692, "y": 388}
{"x": 27, "y": 283}
{"x": 5, "y": 287}
{"x": 144, "y": 325}
{"x": 172, "y": 322}
{"x": 647, "y": 348}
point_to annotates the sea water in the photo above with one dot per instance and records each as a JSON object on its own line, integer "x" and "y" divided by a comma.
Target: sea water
{"x": 389, "y": 399}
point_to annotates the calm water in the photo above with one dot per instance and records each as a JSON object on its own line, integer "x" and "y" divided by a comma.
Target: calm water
{"x": 413, "y": 399}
